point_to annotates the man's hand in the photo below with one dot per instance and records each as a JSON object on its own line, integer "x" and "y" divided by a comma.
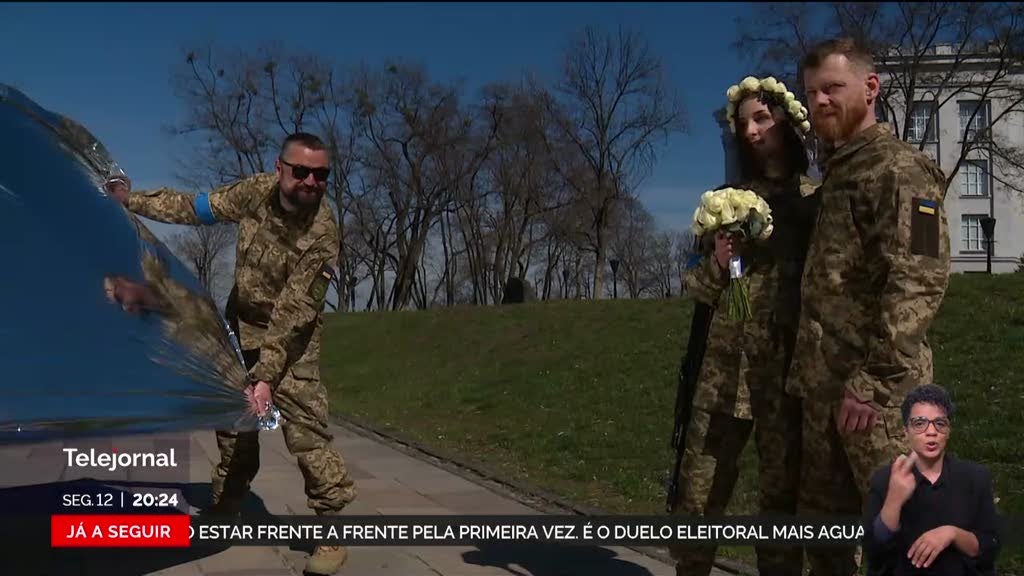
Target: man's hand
{"x": 854, "y": 415}
{"x": 930, "y": 545}
{"x": 725, "y": 249}
{"x": 118, "y": 187}
{"x": 259, "y": 397}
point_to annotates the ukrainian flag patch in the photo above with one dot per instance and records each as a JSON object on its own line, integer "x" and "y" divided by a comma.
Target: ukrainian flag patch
{"x": 927, "y": 206}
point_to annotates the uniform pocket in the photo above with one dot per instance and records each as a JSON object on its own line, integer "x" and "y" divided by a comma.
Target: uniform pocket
{"x": 892, "y": 417}
{"x": 306, "y": 371}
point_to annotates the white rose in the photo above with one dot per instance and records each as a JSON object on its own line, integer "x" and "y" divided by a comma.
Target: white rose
{"x": 713, "y": 202}
{"x": 696, "y": 227}
{"x": 805, "y": 126}
{"x": 781, "y": 88}
{"x": 761, "y": 207}
{"x": 733, "y": 93}
{"x": 730, "y": 109}
{"x": 728, "y": 215}
{"x": 803, "y": 111}
{"x": 790, "y": 97}
{"x": 769, "y": 84}
{"x": 750, "y": 84}
{"x": 707, "y": 220}
{"x": 740, "y": 203}
{"x": 767, "y": 232}
{"x": 794, "y": 108}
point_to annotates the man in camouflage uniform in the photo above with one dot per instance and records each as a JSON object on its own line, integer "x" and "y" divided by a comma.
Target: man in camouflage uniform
{"x": 740, "y": 387}
{"x": 876, "y": 273}
{"x": 287, "y": 244}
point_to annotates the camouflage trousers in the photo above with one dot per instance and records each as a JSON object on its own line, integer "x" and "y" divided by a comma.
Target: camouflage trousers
{"x": 710, "y": 468}
{"x": 302, "y": 400}
{"x": 837, "y": 471}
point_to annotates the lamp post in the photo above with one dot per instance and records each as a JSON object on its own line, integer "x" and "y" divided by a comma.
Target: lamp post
{"x": 565, "y": 283}
{"x": 615, "y": 278}
{"x": 988, "y": 228}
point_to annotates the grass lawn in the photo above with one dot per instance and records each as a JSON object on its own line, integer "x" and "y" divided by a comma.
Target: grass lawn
{"x": 577, "y": 397}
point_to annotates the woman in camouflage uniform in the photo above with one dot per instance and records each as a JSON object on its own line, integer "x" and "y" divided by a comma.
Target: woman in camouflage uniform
{"x": 740, "y": 387}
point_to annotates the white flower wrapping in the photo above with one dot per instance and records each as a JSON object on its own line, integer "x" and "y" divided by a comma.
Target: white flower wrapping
{"x": 740, "y": 213}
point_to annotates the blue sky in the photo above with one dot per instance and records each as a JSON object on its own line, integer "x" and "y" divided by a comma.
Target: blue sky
{"x": 109, "y": 65}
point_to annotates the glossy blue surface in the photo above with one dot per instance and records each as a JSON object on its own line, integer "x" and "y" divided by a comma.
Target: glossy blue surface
{"x": 72, "y": 362}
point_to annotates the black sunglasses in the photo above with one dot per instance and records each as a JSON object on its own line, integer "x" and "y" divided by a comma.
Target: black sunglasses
{"x": 302, "y": 172}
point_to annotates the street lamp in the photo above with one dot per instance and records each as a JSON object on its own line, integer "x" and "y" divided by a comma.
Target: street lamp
{"x": 988, "y": 228}
{"x": 615, "y": 278}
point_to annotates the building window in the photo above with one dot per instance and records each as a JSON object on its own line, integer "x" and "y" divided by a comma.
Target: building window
{"x": 971, "y": 237}
{"x": 976, "y": 127}
{"x": 974, "y": 178}
{"x": 919, "y": 116}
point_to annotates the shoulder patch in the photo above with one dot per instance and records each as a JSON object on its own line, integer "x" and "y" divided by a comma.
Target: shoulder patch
{"x": 321, "y": 282}
{"x": 924, "y": 228}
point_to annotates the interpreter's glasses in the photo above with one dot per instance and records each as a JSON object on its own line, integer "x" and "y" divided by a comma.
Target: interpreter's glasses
{"x": 920, "y": 424}
{"x": 302, "y": 172}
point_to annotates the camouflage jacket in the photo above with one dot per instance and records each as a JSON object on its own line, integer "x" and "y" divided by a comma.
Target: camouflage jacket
{"x": 877, "y": 271}
{"x": 283, "y": 267}
{"x": 740, "y": 356}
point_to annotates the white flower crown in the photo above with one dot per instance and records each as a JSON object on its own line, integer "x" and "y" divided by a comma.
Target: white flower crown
{"x": 774, "y": 90}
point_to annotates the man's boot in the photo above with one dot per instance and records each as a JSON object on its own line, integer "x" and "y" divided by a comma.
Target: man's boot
{"x": 224, "y": 502}
{"x": 326, "y": 560}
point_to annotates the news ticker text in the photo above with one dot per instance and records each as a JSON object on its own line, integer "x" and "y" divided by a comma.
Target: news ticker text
{"x": 178, "y": 530}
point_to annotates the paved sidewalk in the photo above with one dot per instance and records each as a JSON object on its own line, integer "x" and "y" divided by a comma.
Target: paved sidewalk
{"x": 389, "y": 482}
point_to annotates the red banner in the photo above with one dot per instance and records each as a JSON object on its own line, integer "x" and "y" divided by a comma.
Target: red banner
{"x": 112, "y": 531}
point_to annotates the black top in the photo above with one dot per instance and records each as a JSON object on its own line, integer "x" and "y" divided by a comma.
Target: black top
{"x": 961, "y": 497}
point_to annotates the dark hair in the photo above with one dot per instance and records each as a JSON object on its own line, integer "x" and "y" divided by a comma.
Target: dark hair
{"x": 848, "y": 47}
{"x": 305, "y": 139}
{"x": 928, "y": 394}
{"x": 793, "y": 147}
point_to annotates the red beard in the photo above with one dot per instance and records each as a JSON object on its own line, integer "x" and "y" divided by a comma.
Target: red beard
{"x": 842, "y": 124}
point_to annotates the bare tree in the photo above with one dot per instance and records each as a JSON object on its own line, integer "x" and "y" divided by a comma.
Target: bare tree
{"x": 662, "y": 266}
{"x": 632, "y": 233}
{"x": 204, "y": 249}
{"x": 684, "y": 250}
{"x": 438, "y": 196}
{"x": 613, "y": 105}
{"x": 411, "y": 134}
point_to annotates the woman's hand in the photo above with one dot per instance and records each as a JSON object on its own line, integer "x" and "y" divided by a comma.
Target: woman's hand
{"x": 725, "y": 248}
{"x": 930, "y": 545}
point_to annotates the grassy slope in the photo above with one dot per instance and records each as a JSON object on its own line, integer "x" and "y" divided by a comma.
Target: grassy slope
{"x": 576, "y": 397}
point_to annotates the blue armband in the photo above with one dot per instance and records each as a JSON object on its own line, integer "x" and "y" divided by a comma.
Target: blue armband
{"x": 203, "y": 209}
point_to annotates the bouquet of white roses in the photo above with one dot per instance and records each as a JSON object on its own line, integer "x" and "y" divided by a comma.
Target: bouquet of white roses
{"x": 740, "y": 213}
